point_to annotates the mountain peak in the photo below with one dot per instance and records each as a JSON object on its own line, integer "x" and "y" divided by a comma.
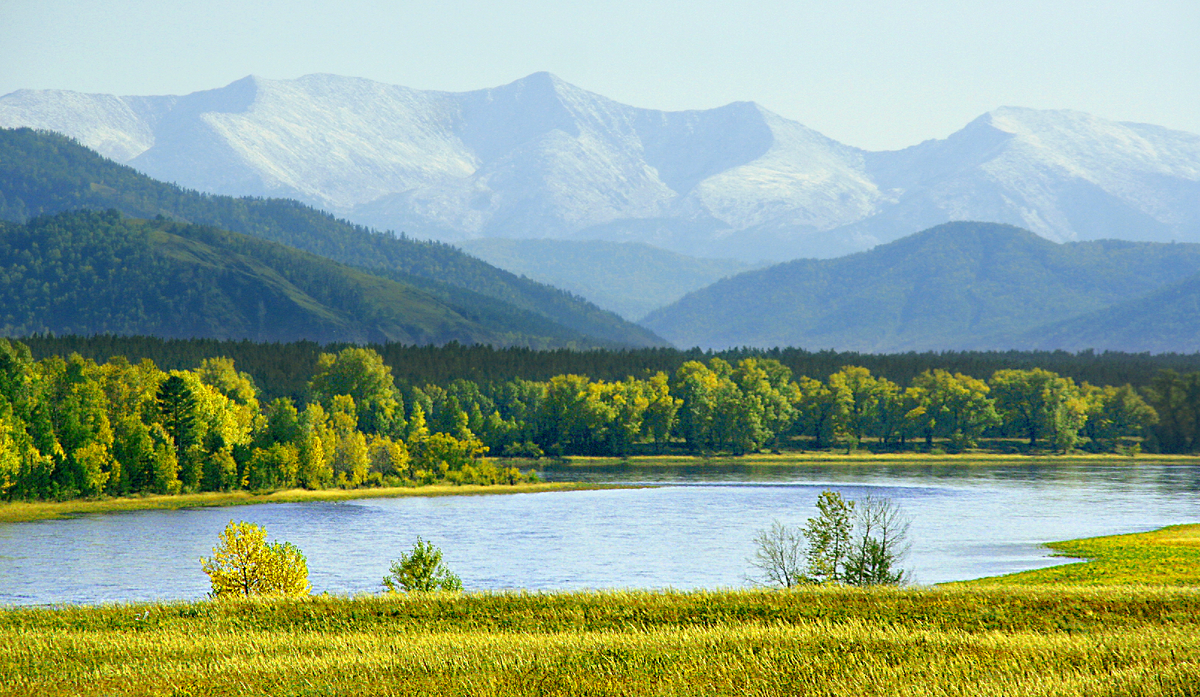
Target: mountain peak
{"x": 542, "y": 157}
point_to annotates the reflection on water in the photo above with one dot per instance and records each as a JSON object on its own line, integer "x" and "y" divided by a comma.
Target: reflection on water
{"x": 694, "y": 530}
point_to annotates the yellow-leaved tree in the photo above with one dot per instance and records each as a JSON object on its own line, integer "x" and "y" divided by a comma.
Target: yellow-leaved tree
{"x": 244, "y": 563}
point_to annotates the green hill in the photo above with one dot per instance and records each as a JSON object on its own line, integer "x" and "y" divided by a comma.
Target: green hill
{"x": 42, "y": 173}
{"x": 1164, "y": 321}
{"x": 628, "y": 278}
{"x": 89, "y": 272}
{"x": 955, "y": 286}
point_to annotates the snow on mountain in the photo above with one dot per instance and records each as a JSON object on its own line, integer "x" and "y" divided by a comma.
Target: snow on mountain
{"x": 1063, "y": 174}
{"x": 543, "y": 158}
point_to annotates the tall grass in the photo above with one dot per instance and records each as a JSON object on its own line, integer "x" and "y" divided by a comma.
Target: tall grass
{"x": 1037, "y": 641}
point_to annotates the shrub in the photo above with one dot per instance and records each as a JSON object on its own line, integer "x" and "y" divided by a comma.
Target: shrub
{"x": 421, "y": 570}
{"x": 244, "y": 563}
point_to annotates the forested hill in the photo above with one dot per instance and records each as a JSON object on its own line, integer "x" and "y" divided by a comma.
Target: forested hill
{"x": 89, "y": 272}
{"x": 42, "y": 172}
{"x": 955, "y": 286}
{"x": 1166, "y": 320}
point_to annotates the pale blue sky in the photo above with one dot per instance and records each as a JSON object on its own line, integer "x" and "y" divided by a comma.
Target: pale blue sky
{"x": 878, "y": 75}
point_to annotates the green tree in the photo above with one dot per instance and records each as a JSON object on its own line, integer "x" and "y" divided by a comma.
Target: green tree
{"x": 696, "y": 386}
{"x": 880, "y": 543}
{"x": 829, "y": 538}
{"x": 245, "y": 564}
{"x": 275, "y": 467}
{"x": 220, "y": 374}
{"x": 12, "y": 433}
{"x": 177, "y": 407}
{"x": 768, "y": 383}
{"x": 318, "y": 445}
{"x": 1115, "y": 413}
{"x": 1039, "y": 404}
{"x": 361, "y": 374}
{"x": 816, "y": 412}
{"x": 955, "y": 407}
{"x": 662, "y": 410}
{"x": 421, "y": 570}
{"x": 388, "y": 458}
{"x": 892, "y": 422}
{"x": 856, "y": 397}
{"x": 1176, "y": 400}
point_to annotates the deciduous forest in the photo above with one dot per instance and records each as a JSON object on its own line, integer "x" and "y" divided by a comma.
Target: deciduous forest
{"x": 72, "y": 426}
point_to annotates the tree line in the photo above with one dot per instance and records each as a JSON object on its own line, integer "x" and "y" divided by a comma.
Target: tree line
{"x": 73, "y": 427}
{"x": 284, "y": 369}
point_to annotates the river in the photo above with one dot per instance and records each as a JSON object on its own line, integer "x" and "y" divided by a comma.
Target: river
{"x": 693, "y": 529}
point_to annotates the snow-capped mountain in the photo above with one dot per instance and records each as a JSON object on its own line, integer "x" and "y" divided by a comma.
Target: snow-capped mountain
{"x": 542, "y": 158}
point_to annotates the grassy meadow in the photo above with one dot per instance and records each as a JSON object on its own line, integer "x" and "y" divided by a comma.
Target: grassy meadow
{"x": 1166, "y": 557}
{"x": 821, "y": 641}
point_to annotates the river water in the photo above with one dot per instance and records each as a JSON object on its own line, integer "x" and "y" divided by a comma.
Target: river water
{"x": 694, "y": 529}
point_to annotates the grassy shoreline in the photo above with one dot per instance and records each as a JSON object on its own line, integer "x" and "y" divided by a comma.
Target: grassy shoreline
{"x": 1167, "y": 556}
{"x": 1121, "y": 629}
{"x": 24, "y": 511}
{"x": 866, "y": 457}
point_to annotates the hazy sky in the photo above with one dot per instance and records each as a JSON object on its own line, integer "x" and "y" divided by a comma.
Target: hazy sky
{"x": 878, "y": 75}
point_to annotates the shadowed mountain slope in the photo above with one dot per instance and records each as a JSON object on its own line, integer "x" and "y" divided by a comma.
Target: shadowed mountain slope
{"x": 88, "y": 272}
{"x": 1164, "y": 321}
{"x": 43, "y": 173}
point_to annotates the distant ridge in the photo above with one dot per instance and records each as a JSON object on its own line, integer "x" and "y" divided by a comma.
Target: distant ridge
{"x": 1164, "y": 321}
{"x": 44, "y": 173}
{"x": 542, "y": 158}
{"x": 956, "y": 286}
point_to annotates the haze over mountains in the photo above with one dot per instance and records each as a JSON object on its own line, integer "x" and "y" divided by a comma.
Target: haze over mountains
{"x": 542, "y": 158}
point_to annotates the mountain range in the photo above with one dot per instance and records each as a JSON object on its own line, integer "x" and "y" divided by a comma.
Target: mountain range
{"x": 956, "y": 286}
{"x": 540, "y": 158}
{"x": 361, "y": 285}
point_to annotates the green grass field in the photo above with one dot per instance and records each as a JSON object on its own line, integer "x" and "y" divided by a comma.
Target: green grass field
{"x": 1166, "y": 557}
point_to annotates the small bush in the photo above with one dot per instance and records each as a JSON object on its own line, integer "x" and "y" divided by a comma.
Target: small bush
{"x": 421, "y": 570}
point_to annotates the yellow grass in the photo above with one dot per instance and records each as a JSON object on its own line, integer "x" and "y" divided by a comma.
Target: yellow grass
{"x": 806, "y": 642}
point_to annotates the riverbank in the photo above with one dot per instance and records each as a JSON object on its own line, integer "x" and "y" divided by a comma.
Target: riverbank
{"x": 22, "y": 511}
{"x": 859, "y": 457}
{"x": 1115, "y": 625}
{"x": 1169, "y": 556}
{"x": 1062, "y": 641}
